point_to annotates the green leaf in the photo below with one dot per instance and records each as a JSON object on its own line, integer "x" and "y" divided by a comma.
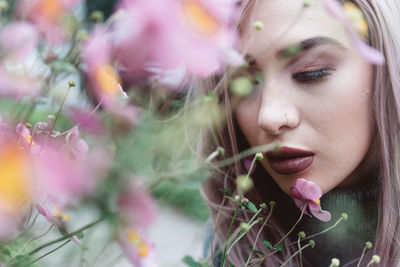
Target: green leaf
{"x": 190, "y": 261}
{"x": 231, "y": 265}
{"x": 267, "y": 244}
{"x": 5, "y": 251}
{"x": 278, "y": 248}
{"x": 252, "y": 207}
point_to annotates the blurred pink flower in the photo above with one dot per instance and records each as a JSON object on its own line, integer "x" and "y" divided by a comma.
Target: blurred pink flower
{"x": 369, "y": 53}
{"x": 138, "y": 249}
{"x": 167, "y": 34}
{"x": 75, "y": 146}
{"x": 56, "y": 219}
{"x": 48, "y": 17}
{"x": 18, "y": 40}
{"x": 26, "y": 139}
{"x": 16, "y": 186}
{"x": 102, "y": 75}
{"x": 89, "y": 122}
{"x": 136, "y": 205}
{"x": 17, "y": 85}
{"x": 306, "y": 195}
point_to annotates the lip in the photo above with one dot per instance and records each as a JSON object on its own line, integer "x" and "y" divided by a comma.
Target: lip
{"x": 290, "y": 160}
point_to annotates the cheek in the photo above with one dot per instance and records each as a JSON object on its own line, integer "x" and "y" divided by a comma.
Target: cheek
{"x": 246, "y": 114}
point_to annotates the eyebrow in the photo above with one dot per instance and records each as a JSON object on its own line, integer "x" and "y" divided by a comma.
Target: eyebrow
{"x": 294, "y": 50}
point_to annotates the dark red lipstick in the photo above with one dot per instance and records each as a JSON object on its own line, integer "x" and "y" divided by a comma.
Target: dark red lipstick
{"x": 290, "y": 160}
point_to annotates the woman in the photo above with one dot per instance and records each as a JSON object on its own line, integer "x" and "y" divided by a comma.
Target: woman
{"x": 331, "y": 110}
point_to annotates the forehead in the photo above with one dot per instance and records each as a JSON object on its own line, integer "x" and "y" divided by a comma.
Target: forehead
{"x": 287, "y": 22}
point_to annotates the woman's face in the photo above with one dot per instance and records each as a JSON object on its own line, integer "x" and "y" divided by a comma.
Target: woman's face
{"x": 316, "y": 104}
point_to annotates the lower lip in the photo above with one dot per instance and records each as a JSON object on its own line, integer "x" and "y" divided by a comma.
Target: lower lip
{"x": 291, "y": 165}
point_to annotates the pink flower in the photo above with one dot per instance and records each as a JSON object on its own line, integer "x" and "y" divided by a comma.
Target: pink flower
{"x": 103, "y": 78}
{"x": 306, "y": 195}
{"x": 57, "y": 218}
{"x": 18, "y": 40}
{"x": 167, "y": 34}
{"x": 16, "y": 186}
{"x": 16, "y": 85}
{"x": 138, "y": 249}
{"x": 48, "y": 16}
{"x": 137, "y": 206}
{"x": 75, "y": 146}
{"x": 87, "y": 121}
{"x": 369, "y": 53}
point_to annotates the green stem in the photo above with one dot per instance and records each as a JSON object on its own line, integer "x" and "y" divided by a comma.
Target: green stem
{"x": 227, "y": 236}
{"x": 66, "y": 236}
{"x": 251, "y": 166}
{"x": 240, "y": 237}
{"x": 294, "y": 226}
{"x": 362, "y": 255}
{"x": 294, "y": 254}
{"x": 258, "y": 235}
{"x": 326, "y": 230}
{"x": 300, "y": 254}
{"x": 51, "y": 251}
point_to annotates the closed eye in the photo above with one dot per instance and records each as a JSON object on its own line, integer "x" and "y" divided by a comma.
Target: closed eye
{"x": 311, "y": 76}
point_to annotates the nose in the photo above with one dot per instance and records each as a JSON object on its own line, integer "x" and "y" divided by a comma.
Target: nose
{"x": 277, "y": 112}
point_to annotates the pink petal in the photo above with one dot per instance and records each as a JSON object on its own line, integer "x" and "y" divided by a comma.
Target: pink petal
{"x": 308, "y": 189}
{"x": 318, "y": 213}
{"x": 335, "y": 9}
{"x": 369, "y": 53}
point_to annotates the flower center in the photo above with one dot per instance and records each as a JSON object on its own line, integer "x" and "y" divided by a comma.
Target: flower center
{"x": 138, "y": 242}
{"x": 52, "y": 10}
{"x": 14, "y": 189}
{"x": 318, "y": 201}
{"x": 108, "y": 79}
{"x": 60, "y": 214}
{"x": 28, "y": 139}
{"x": 199, "y": 18}
{"x": 357, "y": 18}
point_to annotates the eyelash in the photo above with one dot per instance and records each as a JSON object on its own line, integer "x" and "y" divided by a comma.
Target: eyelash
{"x": 311, "y": 76}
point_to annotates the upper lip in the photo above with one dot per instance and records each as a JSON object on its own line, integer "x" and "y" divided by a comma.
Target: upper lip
{"x": 288, "y": 152}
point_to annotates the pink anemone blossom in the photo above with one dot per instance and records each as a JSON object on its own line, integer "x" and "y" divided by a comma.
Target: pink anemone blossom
{"x": 306, "y": 196}
{"x": 139, "y": 250}
{"x": 168, "y": 34}
{"x": 137, "y": 206}
{"x": 16, "y": 186}
{"x": 48, "y": 16}
{"x": 369, "y": 53}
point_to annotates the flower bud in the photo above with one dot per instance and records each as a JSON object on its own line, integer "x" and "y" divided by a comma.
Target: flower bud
{"x": 244, "y": 182}
{"x": 28, "y": 125}
{"x": 71, "y": 83}
{"x": 263, "y": 206}
{"x": 237, "y": 198}
{"x": 272, "y": 203}
{"x": 368, "y": 244}
{"x": 345, "y": 216}
{"x": 221, "y": 151}
{"x": 302, "y": 235}
{"x": 259, "y": 156}
{"x": 82, "y": 35}
{"x": 51, "y": 119}
{"x": 245, "y": 227}
{"x": 312, "y": 243}
{"x": 335, "y": 262}
{"x": 241, "y": 86}
{"x": 306, "y": 3}
{"x": 97, "y": 16}
{"x": 376, "y": 259}
{"x": 258, "y": 25}
{"x": 260, "y": 219}
{"x": 4, "y": 5}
